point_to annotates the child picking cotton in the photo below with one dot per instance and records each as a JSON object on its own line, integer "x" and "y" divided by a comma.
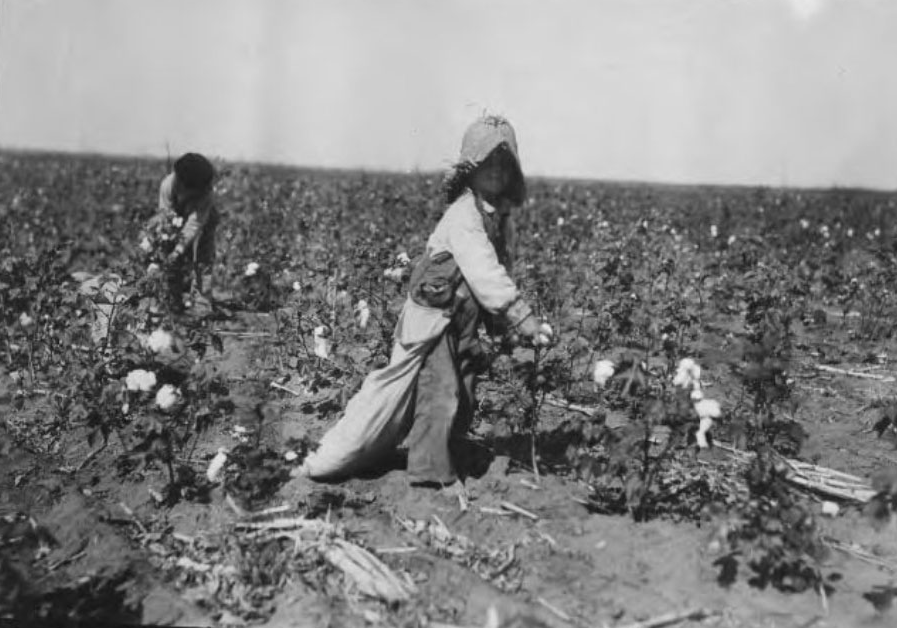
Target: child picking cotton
{"x": 182, "y": 233}
{"x": 426, "y": 392}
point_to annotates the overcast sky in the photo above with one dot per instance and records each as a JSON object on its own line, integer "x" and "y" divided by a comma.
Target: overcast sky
{"x": 791, "y": 92}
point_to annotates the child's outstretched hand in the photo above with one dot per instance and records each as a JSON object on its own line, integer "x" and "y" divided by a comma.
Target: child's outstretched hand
{"x": 540, "y": 333}
{"x": 172, "y": 257}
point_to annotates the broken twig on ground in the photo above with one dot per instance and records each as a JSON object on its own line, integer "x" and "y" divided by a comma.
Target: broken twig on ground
{"x": 554, "y": 610}
{"x": 669, "y": 619}
{"x": 295, "y": 393}
{"x": 519, "y": 510}
{"x": 832, "y": 369}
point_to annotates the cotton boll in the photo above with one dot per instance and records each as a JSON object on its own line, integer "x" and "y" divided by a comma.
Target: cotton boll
{"x": 402, "y": 259}
{"x": 216, "y": 465}
{"x": 688, "y": 374}
{"x": 290, "y": 456}
{"x": 140, "y": 380}
{"x": 393, "y": 274}
{"x": 697, "y": 395}
{"x": 713, "y": 231}
{"x": 708, "y": 409}
{"x": 603, "y": 371}
{"x": 167, "y": 397}
{"x": 152, "y": 269}
{"x": 177, "y": 221}
{"x": 145, "y": 245}
{"x": 297, "y": 287}
{"x": 159, "y": 341}
{"x": 362, "y": 314}
{"x": 545, "y": 335}
{"x": 701, "y": 435}
{"x": 251, "y": 269}
{"x": 25, "y": 320}
{"x": 322, "y": 342}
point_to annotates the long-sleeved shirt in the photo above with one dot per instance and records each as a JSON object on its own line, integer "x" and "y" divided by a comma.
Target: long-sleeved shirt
{"x": 200, "y": 220}
{"x": 463, "y": 232}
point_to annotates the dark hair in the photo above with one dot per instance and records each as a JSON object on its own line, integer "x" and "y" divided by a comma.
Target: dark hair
{"x": 194, "y": 171}
{"x": 457, "y": 180}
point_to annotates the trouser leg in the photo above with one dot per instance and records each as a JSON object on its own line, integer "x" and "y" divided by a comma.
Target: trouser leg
{"x": 177, "y": 282}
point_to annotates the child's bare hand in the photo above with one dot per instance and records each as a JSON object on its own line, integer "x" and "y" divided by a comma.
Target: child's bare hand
{"x": 539, "y": 333}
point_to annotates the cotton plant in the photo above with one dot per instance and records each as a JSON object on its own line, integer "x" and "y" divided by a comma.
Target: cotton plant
{"x": 399, "y": 268}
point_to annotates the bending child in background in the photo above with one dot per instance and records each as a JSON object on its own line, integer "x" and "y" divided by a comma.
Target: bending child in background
{"x": 184, "y": 227}
{"x": 426, "y": 392}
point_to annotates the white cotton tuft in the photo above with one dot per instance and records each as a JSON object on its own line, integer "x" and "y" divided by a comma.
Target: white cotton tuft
{"x": 393, "y": 274}
{"x": 167, "y": 397}
{"x": 177, "y": 221}
{"x": 251, "y": 269}
{"x": 216, "y": 465}
{"x": 696, "y": 395}
{"x": 152, "y": 269}
{"x": 688, "y": 374}
{"x": 362, "y": 314}
{"x": 25, "y": 320}
{"x": 297, "y": 286}
{"x": 140, "y": 380}
{"x": 701, "y": 435}
{"x": 145, "y": 245}
{"x": 322, "y": 341}
{"x": 708, "y": 409}
{"x": 402, "y": 259}
{"x": 603, "y": 371}
{"x": 159, "y": 341}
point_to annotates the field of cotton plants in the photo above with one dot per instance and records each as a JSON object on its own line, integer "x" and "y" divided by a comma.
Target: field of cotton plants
{"x": 711, "y": 441}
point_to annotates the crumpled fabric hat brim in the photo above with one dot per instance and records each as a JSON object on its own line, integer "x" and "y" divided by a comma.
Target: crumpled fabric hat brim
{"x": 484, "y": 136}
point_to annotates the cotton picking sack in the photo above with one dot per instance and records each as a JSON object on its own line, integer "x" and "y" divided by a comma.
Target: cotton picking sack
{"x": 379, "y": 415}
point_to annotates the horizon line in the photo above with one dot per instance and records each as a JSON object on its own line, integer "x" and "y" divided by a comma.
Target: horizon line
{"x": 36, "y": 151}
